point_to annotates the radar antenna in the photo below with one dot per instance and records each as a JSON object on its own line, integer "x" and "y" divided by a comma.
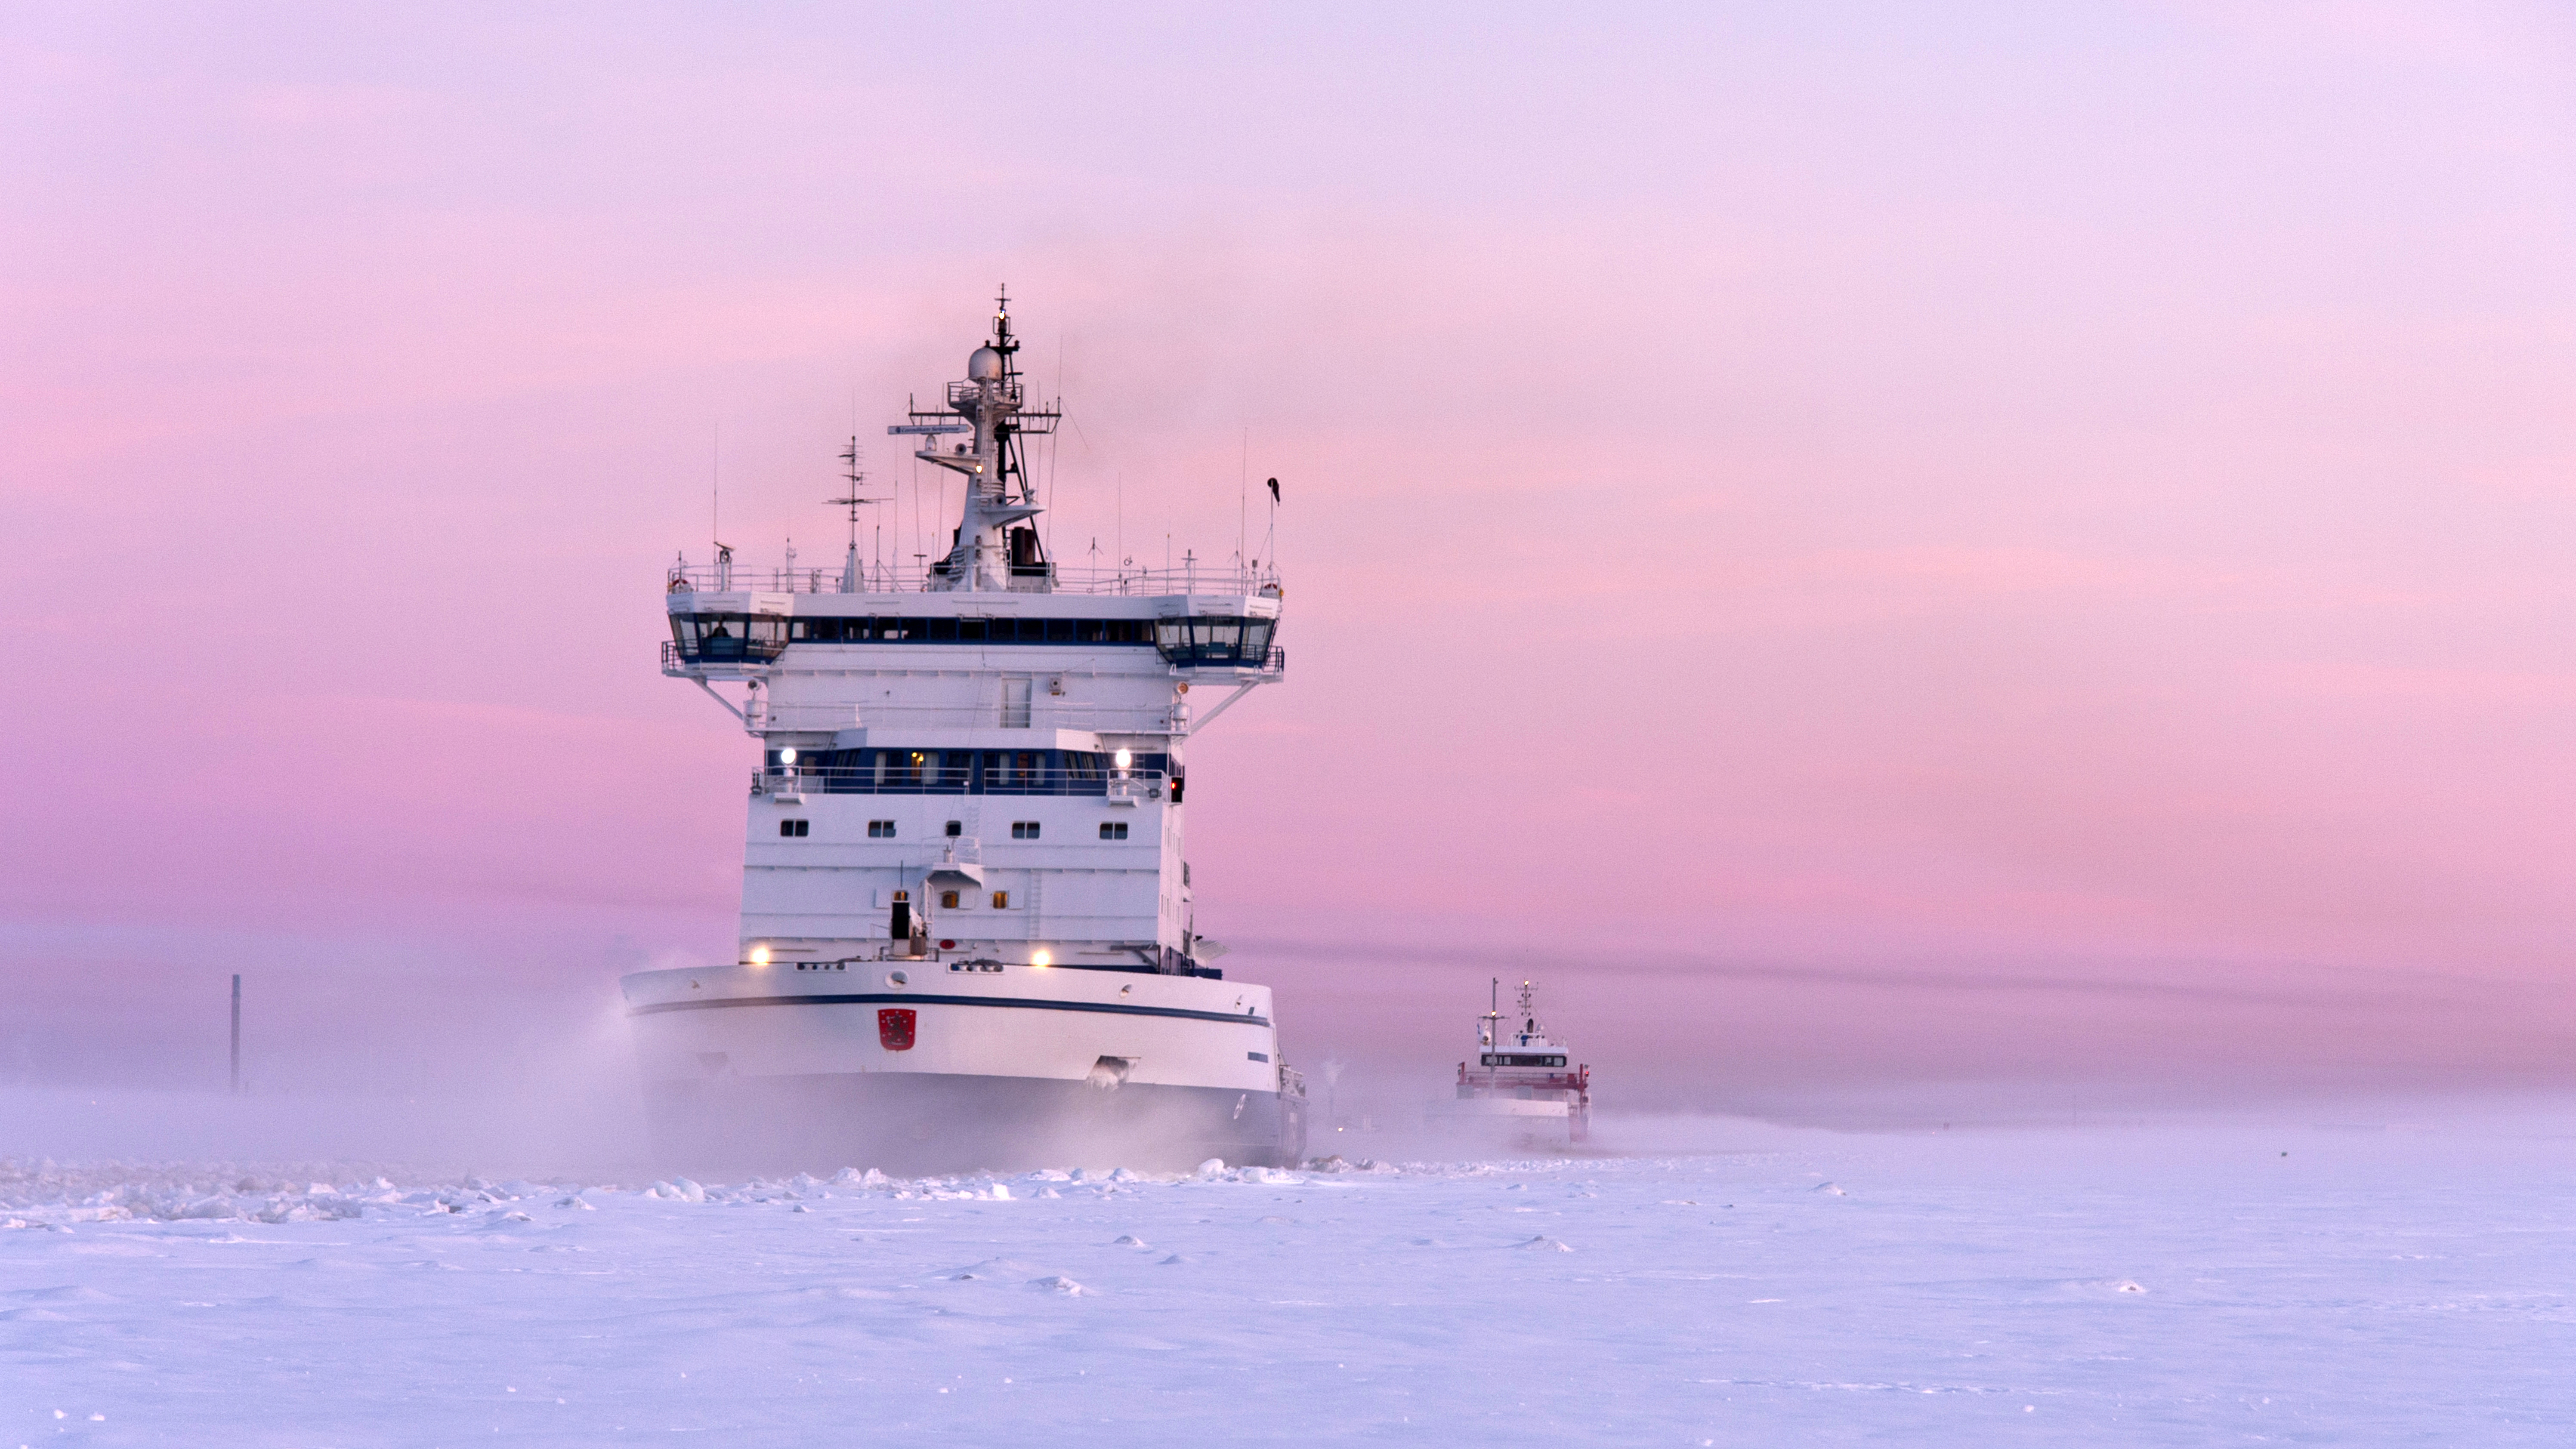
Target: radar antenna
{"x": 853, "y": 475}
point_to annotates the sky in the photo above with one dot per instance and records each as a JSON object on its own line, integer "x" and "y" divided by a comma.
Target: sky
{"x": 1867, "y": 546}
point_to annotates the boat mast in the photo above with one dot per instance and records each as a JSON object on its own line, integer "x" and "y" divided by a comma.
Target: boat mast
{"x": 852, "y": 580}
{"x": 993, "y": 548}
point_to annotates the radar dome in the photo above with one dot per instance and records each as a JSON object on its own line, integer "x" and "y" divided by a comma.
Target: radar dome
{"x": 986, "y": 364}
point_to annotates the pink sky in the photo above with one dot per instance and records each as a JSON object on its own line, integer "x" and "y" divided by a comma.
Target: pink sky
{"x": 1799, "y": 518}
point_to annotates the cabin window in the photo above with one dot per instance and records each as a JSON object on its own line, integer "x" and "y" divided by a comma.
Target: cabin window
{"x": 1215, "y": 639}
{"x": 1024, "y": 829}
{"x": 969, "y": 772}
{"x": 1001, "y": 900}
{"x": 795, "y": 829}
{"x": 1113, "y": 830}
{"x": 956, "y": 828}
{"x": 948, "y": 900}
{"x": 723, "y": 637}
{"x": 762, "y": 636}
{"x": 880, "y": 830}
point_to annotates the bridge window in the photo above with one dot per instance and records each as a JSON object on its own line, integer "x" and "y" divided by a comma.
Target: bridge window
{"x": 1214, "y": 639}
{"x": 885, "y": 629}
{"x": 969, "y": 772}
{"x": 721, "y": 638}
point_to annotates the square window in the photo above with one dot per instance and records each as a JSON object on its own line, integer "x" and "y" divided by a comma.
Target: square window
{"x": 1001, "y": 900}
{"x": 794, "y": 829}
{"x": 956, "y": 827}
{"x": 1113, "y": 830}
{"x": 880, "y": 830}
{"x": 948, "y": 900}
{"x": 1024, "y": 829}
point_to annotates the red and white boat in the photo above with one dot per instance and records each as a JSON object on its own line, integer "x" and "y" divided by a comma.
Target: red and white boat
{"x": 1521, "y": 1078}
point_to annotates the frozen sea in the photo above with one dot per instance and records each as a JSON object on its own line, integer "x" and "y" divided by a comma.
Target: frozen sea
{"x": 2378, "y": 1281}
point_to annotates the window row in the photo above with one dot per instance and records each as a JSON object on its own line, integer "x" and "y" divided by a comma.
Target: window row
{"x": 884, "y": 630}
{"x": 1198, "y": 640}
{"x": 884, "y": 829}
{"x": 968, "y": 772}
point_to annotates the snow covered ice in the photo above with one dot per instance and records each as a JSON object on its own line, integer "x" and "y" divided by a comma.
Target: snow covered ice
{"x": 2177, "y": 1285}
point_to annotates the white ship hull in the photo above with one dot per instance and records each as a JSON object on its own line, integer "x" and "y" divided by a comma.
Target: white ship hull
{"x": 1494, "y": 1109}
{"x": 930, "y": 1066}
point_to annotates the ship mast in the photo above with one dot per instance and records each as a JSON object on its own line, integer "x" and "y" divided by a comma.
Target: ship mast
{"x": 852, "y": 580}
{"x": 994, "y": 547}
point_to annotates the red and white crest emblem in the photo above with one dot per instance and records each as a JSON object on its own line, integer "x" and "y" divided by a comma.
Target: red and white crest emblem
{"x": 894, "y": 1028}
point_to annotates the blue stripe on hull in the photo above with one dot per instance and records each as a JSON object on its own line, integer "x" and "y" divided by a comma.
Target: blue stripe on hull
{"x": 914, "y": 998}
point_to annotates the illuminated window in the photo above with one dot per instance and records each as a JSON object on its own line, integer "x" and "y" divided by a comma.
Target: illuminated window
{"x": 1001, "y": 900}
{"x": 880, "y": 830}
{"x": 1113, "y": 830}
{"x": 1024, "y": 829}
{"x": 795, "y": 829}
{"x": 948, "y": 900}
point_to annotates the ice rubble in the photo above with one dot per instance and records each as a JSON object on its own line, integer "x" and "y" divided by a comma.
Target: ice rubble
{"x": 44, "y": 1194}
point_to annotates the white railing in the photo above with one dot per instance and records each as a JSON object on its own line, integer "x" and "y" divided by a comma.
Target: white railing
{"x": 1193, "y": 578}
{"x": 1045, "y": 715}
{"x": 951, "y": 779}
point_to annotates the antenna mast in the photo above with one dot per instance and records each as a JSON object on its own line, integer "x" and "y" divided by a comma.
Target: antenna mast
{"x": 852, "y": 580}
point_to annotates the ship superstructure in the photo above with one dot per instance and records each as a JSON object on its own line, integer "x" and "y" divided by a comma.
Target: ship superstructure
{"x": 967, "y": 931}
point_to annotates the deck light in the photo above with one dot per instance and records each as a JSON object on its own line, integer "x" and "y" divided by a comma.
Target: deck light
{"x": 787, "y": 756}
{"x": 760, "y": 955}
{"x": 1041, "y": 958}
{"x": 1125, "y": 759}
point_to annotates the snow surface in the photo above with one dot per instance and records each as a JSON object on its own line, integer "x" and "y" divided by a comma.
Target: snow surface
{"x": 2111, "y": 1287}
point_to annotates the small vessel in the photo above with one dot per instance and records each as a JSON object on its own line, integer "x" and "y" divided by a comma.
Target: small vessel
{"x": 968, "y": 937}
{"x": 1522, "y": 1078}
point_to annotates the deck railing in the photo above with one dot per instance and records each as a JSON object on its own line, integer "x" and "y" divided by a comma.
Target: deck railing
{"x": 915, "y": 579}
{"x": 935, "y": 779}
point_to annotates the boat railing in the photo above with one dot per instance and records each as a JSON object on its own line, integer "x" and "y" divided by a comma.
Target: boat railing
{"x": 1053, "y": 578}
{"x": 1553, "y": 1079}
{"x": 1046, "y": 713}
{"x": 723, "y": 654}
{"x": 937, "y": 779}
